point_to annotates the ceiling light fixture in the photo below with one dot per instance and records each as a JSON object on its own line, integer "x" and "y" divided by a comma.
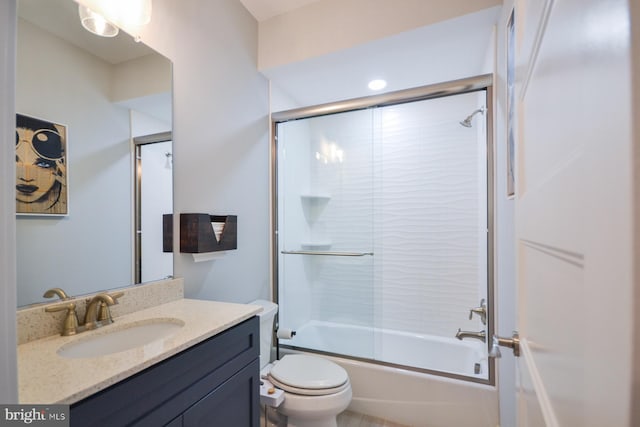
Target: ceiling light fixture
{"x": 106, "y": 17}
{"x": 96, "y": 23}
{"x": 377, "y": 84}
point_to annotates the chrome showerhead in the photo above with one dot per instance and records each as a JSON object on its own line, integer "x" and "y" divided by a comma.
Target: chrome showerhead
{"x": 467, "y": 122}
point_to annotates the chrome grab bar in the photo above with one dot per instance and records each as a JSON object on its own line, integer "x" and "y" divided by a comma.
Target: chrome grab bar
{"x": 325, "y": 253}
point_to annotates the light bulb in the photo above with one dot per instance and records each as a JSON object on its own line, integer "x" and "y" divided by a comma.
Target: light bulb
{"x": 95, "y": 23}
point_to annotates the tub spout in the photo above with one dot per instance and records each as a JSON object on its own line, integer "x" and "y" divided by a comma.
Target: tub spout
{"x": 482, "y": 335}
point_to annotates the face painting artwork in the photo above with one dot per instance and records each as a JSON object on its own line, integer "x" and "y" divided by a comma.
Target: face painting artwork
{"x": 41, "y": 173}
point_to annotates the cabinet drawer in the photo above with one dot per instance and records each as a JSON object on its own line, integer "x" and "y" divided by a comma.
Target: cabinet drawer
{"x": 162, "y": 392}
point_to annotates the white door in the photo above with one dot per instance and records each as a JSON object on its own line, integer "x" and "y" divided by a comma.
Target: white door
{"x": 574, "y": 213}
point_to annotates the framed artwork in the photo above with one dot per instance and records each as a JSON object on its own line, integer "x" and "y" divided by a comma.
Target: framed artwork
{"x": 511, "y": 100}
{"x": 41, "y": 167}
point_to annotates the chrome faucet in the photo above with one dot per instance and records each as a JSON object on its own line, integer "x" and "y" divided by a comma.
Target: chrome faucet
{"x": 482, "y": 335}
{"x": 100, "y": 301}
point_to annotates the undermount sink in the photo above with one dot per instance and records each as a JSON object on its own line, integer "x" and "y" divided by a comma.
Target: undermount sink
{"x": 116, "y": 338}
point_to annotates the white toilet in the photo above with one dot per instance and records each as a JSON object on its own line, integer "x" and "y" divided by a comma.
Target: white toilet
{"x": 316, "y": 390}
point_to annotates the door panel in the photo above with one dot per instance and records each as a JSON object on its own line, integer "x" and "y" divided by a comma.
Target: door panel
{"x": 529, "y": 410}
{"x": 557, "y": 357}
{"x": 573, "y": 213}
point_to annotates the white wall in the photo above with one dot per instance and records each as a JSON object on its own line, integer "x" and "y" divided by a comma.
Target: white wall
{"x": 8, "y": 378}
{"x": 220, "y": 130}
{"x": 144, "y": 76}
{"x": 452, "y": 49}
{"x": 99, "y": 170}
{"x": 143, "y": 124}
{"x": 331, "y": 25}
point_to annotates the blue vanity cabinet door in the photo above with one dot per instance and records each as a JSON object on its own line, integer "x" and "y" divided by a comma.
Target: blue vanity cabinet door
{"x": 162, "y": 393}
{"x": 234, "y": 403}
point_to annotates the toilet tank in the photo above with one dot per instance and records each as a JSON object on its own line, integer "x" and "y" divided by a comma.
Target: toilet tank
{"x": 267, "y": 315}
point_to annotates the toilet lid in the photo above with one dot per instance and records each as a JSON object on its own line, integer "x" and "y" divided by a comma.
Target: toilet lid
{"x": 308, "y": 372}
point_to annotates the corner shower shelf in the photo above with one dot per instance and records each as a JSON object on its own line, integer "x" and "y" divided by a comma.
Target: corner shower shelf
{"x": 315, "y": 198}
{"x": 313, "y": 205}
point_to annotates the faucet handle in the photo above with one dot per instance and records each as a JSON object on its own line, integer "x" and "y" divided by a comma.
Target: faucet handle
{"x": 104, "y": 313}
{"x": 70, "y": 325}
{"x": 93, "y": 310}
{"x": 116, "y": 295}
{"x": 481, "y": 311}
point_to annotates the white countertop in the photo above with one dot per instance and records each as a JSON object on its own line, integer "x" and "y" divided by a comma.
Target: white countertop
{"x": 44, "y": 377}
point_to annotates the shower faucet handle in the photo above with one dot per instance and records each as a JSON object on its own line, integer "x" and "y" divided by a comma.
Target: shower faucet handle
{"x": 481, "y": 311}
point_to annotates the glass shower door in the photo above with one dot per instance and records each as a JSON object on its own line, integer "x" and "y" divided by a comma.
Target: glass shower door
{"x": 325, "y": 233}
{"x": 431, "y": 233}
{"x": 384, "y": 232}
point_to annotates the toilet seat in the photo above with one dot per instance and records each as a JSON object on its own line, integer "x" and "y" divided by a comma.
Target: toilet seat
{"x": 308, "y": 375}
{"x": 308, "y": 391}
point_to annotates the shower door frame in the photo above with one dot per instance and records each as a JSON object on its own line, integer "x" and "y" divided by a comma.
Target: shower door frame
{"x": 422, "y": 93}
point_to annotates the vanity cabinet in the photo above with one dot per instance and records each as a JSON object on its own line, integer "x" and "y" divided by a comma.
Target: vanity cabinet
{"x": 214, "y": 383}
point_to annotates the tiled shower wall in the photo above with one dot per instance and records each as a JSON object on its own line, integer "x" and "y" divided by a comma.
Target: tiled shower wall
{"x": 406, "y": 182}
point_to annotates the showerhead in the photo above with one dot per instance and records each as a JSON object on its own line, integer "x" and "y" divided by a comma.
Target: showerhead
{"x": 467, "y": 122}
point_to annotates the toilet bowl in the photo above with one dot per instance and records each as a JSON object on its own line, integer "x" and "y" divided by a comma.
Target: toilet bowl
{"x": 315, "y": 389}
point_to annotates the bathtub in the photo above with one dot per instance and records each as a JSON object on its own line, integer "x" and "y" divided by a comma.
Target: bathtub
{"x": 401, "y": 395}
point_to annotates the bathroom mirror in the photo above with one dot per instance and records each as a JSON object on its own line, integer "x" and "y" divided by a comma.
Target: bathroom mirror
{"x": 105, "y": 92}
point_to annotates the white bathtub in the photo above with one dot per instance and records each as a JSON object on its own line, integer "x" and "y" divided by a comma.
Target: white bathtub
{"x": 404, "y": 396}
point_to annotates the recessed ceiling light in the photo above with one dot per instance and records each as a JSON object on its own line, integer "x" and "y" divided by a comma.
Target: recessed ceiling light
{"x": 377, "y": 84}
